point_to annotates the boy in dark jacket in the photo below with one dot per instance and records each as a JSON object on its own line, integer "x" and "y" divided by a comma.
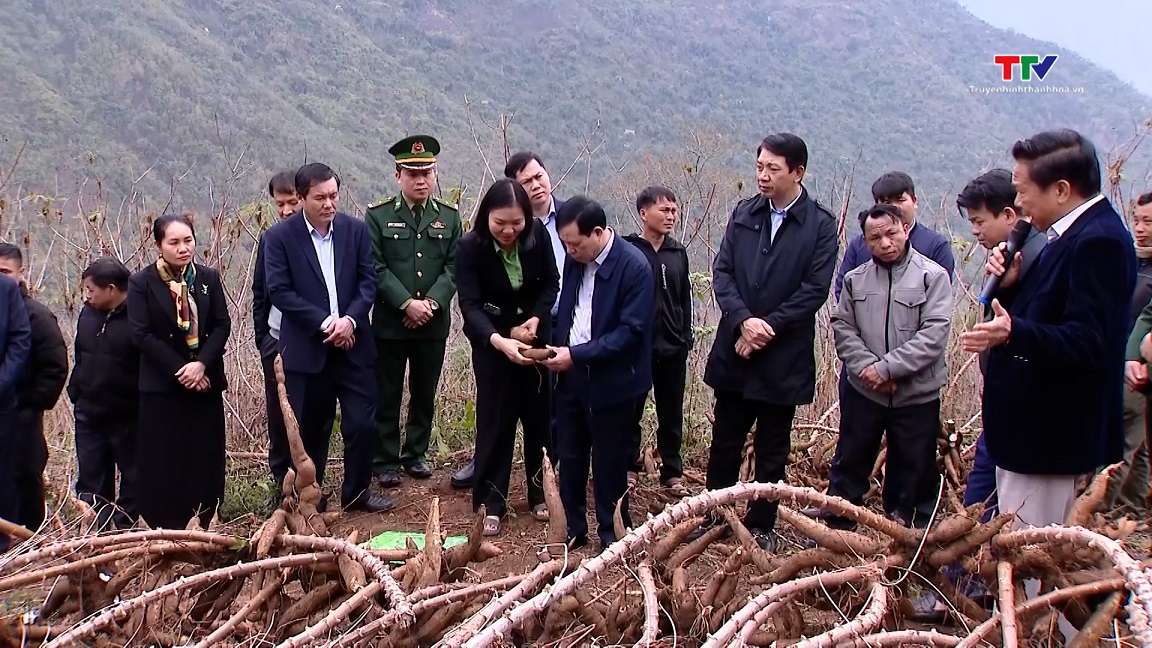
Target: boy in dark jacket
{"x": 671, "y": 334}
{"x": 105, "y": 394}
{"x": 37, "y": 391}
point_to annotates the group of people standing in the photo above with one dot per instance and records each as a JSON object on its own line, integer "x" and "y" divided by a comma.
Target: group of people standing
{"x": 572, "y": 325}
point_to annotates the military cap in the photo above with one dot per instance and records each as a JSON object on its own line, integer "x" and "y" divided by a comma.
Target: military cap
{"x": 416, "y": 152}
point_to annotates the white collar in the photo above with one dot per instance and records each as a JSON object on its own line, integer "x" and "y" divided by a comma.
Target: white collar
{"x": 312, "y": 230}
{"x": 607, "y": 246}
{"x": 772, "y": 205}
{"x": 1065, "y": 222}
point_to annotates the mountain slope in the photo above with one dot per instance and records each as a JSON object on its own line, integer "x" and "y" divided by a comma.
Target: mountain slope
{"x": 116, "y": 88}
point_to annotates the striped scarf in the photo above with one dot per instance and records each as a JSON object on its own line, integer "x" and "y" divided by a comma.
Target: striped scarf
{"x": 179, "y": 286}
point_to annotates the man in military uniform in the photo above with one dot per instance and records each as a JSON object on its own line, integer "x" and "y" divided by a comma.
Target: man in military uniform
{"x": 413, "y": 244}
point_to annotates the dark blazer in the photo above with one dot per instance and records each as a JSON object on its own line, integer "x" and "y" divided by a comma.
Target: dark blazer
{"x": 296, "y": 286}
{"x": 487, "y": 302}
{"x": 15, "y": 340}
{"x": 618, "y": 359}
{"x": 163, "y": 350}
{"x": 261, "y": 306}
{"x": 785, "y": 283}
{"x": 1053, "y": 395}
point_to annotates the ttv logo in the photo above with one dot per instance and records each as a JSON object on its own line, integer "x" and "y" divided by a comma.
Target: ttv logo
{"x": 1029, "y": 64}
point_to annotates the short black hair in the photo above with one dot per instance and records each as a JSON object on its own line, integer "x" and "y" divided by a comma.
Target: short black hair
{"x": 881, "y": 210}
{"x": 992, "y": 191}
{"x": 107, "y": 271}
{"x": 160, "y": 225}
{"x": 312, "y": 174}
{"x": 788, "y": 146}
{"x": 282, "y": 183}
{"x": 1061, "y": 154}
{"x": 1144, "y": 199}
{"x": 652, "y": 195}
{"x": 11, "y": 252}
{"x": 518, "y": 161}
{"x": 585, "y": 212}
{"x": 505, "y": 192}
{"x": 892, "y": 185}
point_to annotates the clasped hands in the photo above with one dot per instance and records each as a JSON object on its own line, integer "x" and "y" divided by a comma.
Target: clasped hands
{"x": 996, "y": 331}
{"x": 875, "y": 382}
{"x": 341, "y": 333}
{"x": 755, "y": 333}
{"x": 191, "y": 376}
{"x": 417, "y": 313}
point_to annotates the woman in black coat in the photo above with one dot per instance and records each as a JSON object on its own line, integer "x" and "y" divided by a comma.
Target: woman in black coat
{"x": 180, "y": 319}
{"x": 506, "y": 277}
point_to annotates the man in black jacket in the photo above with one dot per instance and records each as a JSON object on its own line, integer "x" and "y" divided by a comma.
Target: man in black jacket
{"x": 266, "y": 324}
{"x": 671, "y": 335}
{"x": 771, "y": 275}
{"x": 37, "y": 391}
{"x": 105, "y": 395}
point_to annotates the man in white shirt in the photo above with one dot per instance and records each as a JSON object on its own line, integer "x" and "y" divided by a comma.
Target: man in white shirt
{"x": 1059, "y": 338}
{"x": 604, "y": 360}
{"x": 266, "y": 321}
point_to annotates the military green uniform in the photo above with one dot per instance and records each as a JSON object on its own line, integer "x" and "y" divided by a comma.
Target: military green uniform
{"x": 413, "y": 247}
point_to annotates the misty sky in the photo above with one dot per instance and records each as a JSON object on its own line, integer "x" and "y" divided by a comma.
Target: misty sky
{"x": 1115, "y": 34}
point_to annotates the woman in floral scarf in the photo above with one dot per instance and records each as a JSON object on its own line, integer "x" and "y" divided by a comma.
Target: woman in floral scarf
{"x": 180, "y": 319}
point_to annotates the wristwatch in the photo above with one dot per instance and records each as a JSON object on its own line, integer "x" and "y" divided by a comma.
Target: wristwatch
{"x": 435, "y": 306}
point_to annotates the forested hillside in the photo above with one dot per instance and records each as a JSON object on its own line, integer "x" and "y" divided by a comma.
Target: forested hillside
{"x": 186, "y": 88}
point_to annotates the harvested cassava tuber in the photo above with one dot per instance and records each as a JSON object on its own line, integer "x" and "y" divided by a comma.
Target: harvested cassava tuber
{"x": 538, "y": 354}
{"x": 521, "y": 334}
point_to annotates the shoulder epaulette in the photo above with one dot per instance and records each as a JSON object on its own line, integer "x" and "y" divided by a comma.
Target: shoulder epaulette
{"x": 378, "y": 203}
{"x": 446, "y": 203}
{"x": 821, "y": 207}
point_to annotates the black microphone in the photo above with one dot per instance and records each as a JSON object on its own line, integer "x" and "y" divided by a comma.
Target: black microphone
{"x": 1015, "y": 240}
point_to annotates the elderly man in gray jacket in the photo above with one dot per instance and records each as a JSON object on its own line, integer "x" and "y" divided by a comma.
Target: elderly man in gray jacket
{"x": 891, "y": 328}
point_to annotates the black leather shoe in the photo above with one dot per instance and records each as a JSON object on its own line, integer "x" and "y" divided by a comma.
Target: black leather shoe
{"x": 371, "y": 504}
{"x": 419, "y": 470}
{"x": 767, "y": 541}
{"x": 389, "y": 479}
{"x": 465, "y": 476}
{"x": 577, "y": 542}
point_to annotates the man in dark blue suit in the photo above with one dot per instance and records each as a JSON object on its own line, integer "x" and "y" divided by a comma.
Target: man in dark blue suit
{"x": 1053, "y": 393}
{"x": 604, "y": 361}
{"x": 320, "y": 276}
{"x": 15, "y": 348}
{"x": 526, "y": 168}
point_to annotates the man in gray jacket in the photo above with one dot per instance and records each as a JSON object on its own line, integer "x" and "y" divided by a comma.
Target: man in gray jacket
{"x": 891, "y": 328}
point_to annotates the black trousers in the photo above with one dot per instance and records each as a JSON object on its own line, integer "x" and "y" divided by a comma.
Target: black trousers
{"x": 8, "y": 460}
{"x": 424, "y": 360}
{"x": 668, "y": 377}
{"x": 734, "y": 416}
{"x": 102, "y": 447}
{"x": 313, "y": 398}
{"x": 31, "y": 458}
{"x": 279, "y": 453}
{"x": 506, "y": 394}
{"x": 599, "y": 433}
{"x": 911, "y": 431}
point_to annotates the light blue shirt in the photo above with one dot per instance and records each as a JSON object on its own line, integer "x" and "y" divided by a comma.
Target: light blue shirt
{"x": 581, "y": 332}
{"x": 557, "y": 248}
{"x": 779, "y": 214}
{"x": 325, "y": 253}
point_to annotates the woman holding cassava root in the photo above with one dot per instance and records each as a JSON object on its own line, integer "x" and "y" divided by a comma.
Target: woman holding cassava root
{"x": 180, "y": 320}
{"x": 506, "y": 279}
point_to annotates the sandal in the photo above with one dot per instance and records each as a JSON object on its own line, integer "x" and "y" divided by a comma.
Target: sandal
{"x": 540, "y": 512}
{"x": 491, "y": 525}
